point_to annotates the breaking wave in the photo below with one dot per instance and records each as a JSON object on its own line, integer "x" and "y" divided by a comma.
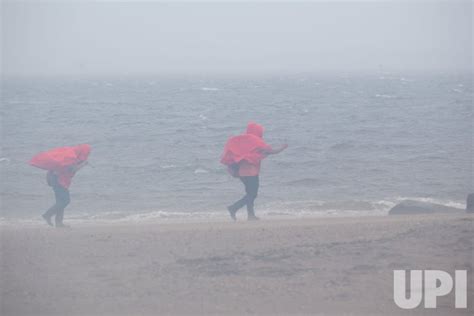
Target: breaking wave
{"x": 283, "y": 210}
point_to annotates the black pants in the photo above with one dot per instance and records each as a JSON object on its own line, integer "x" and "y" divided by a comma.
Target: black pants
{"x": 251, "y": 191}
{"x": 62, "y": 200}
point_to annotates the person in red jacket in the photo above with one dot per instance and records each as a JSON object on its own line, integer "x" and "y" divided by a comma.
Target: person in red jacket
{"x": 60, "y": 180}
{"x": 243, "y": 155}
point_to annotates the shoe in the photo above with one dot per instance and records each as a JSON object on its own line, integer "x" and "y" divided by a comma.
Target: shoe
{"x": 253, "y": 218}
{"x": 232, "y": 214}
{"x": 47, "y": 219}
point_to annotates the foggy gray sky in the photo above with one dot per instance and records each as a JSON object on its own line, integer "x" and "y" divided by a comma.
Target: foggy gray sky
{"x": 86, "y": 38}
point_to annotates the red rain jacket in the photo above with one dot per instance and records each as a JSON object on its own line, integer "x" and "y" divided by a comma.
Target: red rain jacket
{"x": 61, "y": 161}
{"x": 64, "y": 176}
{"x": 249, "y": 147}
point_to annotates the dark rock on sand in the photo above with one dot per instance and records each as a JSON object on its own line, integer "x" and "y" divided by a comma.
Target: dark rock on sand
{"x": 416, "y": 207}
{"x": 470, "y": 203}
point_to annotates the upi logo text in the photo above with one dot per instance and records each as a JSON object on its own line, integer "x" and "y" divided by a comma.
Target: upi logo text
{"x": 436, "y": 283}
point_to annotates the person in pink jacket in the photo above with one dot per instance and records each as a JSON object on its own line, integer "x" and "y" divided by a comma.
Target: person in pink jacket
{"x": 243, "y": 155}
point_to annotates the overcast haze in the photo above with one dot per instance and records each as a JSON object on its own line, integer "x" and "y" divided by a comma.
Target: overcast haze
{"x": 82, "y": 38}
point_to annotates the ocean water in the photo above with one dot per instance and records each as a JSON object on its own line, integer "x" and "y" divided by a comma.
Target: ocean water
{"x": 357, "y": 144}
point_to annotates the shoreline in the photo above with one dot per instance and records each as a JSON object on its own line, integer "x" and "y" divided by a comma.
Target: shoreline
{"x": 219, "y": 219}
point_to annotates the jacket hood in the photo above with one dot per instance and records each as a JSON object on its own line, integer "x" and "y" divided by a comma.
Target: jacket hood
{"x": 82, "y": 151}
{"x": 255, "y": 129}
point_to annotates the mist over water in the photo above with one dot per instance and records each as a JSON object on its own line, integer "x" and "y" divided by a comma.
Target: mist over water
{"x": 358, "y": 144}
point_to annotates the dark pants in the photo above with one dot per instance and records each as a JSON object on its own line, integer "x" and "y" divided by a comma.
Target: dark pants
{"x": 251, "y": 191}
{"x": 62, "y": 200}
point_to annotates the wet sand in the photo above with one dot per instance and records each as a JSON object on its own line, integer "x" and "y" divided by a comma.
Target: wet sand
{"x": 331, "y": 266}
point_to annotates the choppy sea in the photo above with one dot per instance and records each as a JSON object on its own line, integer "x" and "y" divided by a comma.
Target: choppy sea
{"x": 358, "y": 144}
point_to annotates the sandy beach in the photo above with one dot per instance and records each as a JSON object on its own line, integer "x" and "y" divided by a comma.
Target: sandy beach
{"x": 330, "y": 266}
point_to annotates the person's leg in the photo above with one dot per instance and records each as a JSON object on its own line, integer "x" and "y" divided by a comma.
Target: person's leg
{"x": 251, "y": 188}
{"x": 64, "y": 200}
{"x": 240, "y": 203}
{"x": 53, "y": 210}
